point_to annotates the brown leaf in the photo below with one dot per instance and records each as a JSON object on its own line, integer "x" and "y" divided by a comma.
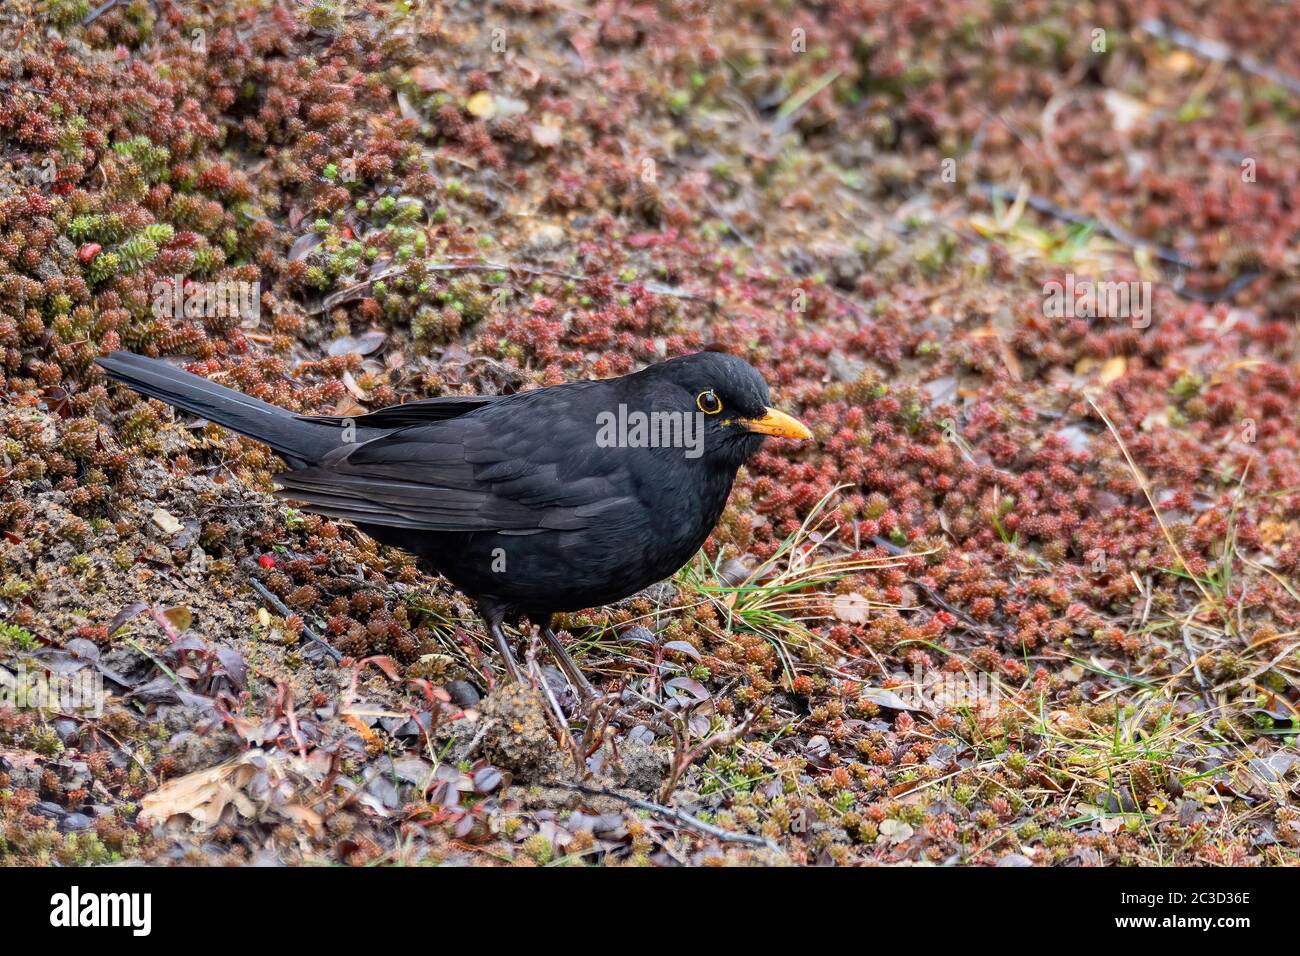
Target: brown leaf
{"x": 1113, "y": 369}
{"x": 242, "y": 782}
{"x": 385, "y": 664}
{"x": 179, "y": 617}
{"x": 348, "y": 407}
{"x": 428, "y": 79}
{"x": 203, "y": 795}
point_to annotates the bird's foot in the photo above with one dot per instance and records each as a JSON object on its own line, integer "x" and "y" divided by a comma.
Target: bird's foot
{"x": 587, "y": 694}
{"x": 592, "y": 702}
{"x": 513, "y": 673}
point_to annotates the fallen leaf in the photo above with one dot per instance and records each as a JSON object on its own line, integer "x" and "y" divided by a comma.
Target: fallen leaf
{"x": 481, "y": 105}
{"x": 683, "y": 647}
{"x": 689, "y": 687}
{"x": 179, "y": 617}
{"x": 165, "y": 521}
{"x": 356, "y": 390}
{"x": 1125, "y": 111}
{"x": 428, "y": 80}
{"x": 894, "y": 831}
{"x": 817, "y": 746}
{"x": 1073, "y": 673}
{"x": 363, "y": 343}
{"x": 851, "y": 608}
{"x": 1273, "y": 768}
{"x": 1113, "y": 368}
{"x": 385, "y": 664}
{"x": 256, "y": 783}
{"x": 349, "y": 407}
{"x": 203, "y": 795}
{"x": 886, "y": 698}
{"x": 124, "y": 615}
{"x": 1110, "y": 824}
{"x": 303, "y": 245}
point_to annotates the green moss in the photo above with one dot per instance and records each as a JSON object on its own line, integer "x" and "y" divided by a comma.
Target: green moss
{"x": 538, "y": 849}
{"x": 67, "y": 13}
{"x": 152, "y": 160}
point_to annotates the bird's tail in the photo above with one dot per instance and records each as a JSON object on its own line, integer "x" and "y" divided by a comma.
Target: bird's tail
{"x": 299, "y": 441}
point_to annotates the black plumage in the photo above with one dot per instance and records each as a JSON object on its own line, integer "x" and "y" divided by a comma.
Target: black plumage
{"x": 522, "y": 501}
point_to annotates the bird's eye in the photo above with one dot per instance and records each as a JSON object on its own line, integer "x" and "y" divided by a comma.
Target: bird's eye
{"x": 708, "y": 403}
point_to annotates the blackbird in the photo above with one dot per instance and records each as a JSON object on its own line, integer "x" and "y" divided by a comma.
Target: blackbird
{"x": 557, "y": 499}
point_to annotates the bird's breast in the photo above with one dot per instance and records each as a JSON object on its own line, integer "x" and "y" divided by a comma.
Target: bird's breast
{"x": 646, "y": 534}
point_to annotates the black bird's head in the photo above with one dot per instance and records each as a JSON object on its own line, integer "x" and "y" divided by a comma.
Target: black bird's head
{"x": 730, "y": 399}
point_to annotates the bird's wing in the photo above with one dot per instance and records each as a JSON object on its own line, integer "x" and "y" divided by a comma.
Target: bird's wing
{"x": 526, "y": 465}
{"x": 413, "y": 413}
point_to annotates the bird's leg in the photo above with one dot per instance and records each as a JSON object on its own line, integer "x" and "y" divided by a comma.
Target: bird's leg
{"x": 493, "y": 619}
{"x": 571, "y": 670}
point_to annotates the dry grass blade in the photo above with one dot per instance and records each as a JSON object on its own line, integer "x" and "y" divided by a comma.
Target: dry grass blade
{"x": 792, "y": 587}
{"x": 1140, "y": 477}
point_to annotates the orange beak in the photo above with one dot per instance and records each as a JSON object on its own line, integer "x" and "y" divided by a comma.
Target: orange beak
{"x": 776, "y": 423}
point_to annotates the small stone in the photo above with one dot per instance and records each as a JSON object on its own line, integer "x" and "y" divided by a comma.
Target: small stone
{"x": 48, "y": 809}
{"x": 463, "y": 694}
{"x": 75, "y": 822}
{"x": 544, "y": 238}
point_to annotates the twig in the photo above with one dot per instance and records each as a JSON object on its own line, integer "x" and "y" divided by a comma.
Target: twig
{"x": 1118, "y": 233}
{"x": 1121, "y": 235}
{"x": 1194, "y": 657}
{"x": 1257, "y": 672}
{"x": 283, "y": 610}
{"x": 600, "y": 714}
{"x": 726, "y": 221}
{"x": 286, "y": 697}
{"x": 478, "y": 737}
{"x": 934, "y": 597}
{"x": 98, "y": 12}
{"x": 1140, "y": 477}
{"x": 683, "y": 757}
{"x": 678, "y": 816}
{"x": 1219, "y": 53}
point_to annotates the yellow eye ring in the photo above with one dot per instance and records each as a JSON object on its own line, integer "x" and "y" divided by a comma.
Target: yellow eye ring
{"x": 708, "y": 403}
